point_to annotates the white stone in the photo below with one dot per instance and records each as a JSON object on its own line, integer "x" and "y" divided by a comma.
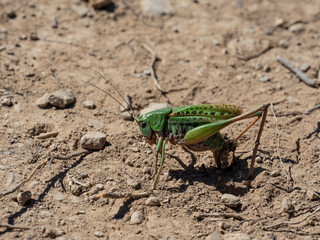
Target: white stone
{"x": 43, "y": 101}
{"x": 156, "y": 7}
{"x": 89, "y": 104}
{"x": 61, "y": 98}
{"x": 286, "y": 205}
{"x": 93, "y": 141}
{"x": 213, "y": 236}
{"x": 237, "y": 236}
{"x": 297, "y": 28}
{"x": 230, "y": 200}
{"x": 137, "y": 217}
{"x": 311, "y": 195}
{"x": 153, "y": 201}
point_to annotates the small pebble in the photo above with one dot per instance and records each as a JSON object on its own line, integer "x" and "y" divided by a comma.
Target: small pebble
{"x": 34, "y": 36}
{"x": 259, "y": 159}
{"x": 213, "y": 236}
{"x": 230, "y": 200}
{"x": 222, "y": 225}
{"x": 156, "y": 7}
{"x": 81, "y": 212}
{"x": 279, "y": 22}
{"x": 237, "y": 236}
{"x": 53, "y": 232}
{"x": 76, "y": 190}
{"x": 132, "y": 183}
{"x": 135, "y": 149}
{"x": 319, "y": 75}
{"x": 137, "y": 217}
{"x": 239, "y": 78}
{"x": 80, "y": 10}
{"x": 271, "y": 236}
{"x": 153, "y": 201}
{"x": 43, "y": 101}
{"x": 266, "y": 68}
{"x": 45, "y": 214}
{"x": 59, "y": 196}
{"x": 61, "y": 98}
{"x": 275, "y": 173}
{"x": 23, "y": 197}
{"x": 11, "y": 14}
{"x": 311, "y": 195}
{"x": 23, "y": 37}
{"x": 297, "y": 28}
{"x": 89, "y": 104}
{"x": 269, "y": 31}
{"x": 286, "y": 205}
{"x": 283, "y": 43}
{"x": 146, "y": 170}
{"x": 304, "y": 67}
{"x": 93, "y": 141}
{"x": 216, "y": 42}
{"x": 126, "y": 116}
{"x": 129, "y": 162}
{"x": 99, "y": 186}
{"x": 54, "y": 23}
{"x": 99, "y": 4}
{"x": 5, "y": 101}
{"x": 99, "y": 234}
{"x": 264, "y": 79}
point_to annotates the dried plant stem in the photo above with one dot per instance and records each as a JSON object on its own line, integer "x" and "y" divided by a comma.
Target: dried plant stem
{"x": 151, "y": 67}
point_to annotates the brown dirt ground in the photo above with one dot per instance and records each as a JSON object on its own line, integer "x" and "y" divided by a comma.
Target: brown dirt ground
{"x": 194, "y": 70}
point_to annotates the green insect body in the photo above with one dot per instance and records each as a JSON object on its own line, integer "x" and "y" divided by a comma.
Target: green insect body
{"x": 194, "y": 127}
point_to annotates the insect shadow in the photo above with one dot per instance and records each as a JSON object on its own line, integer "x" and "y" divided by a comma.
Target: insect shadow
{"x": 316, "y": 132}
{"x": 212, "y": 176}
{"x": 50, "y": 184}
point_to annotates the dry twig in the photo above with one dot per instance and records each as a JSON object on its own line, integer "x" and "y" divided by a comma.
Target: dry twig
{"x": 10, "y": 226}
{"x": 71, "y": 155}
{"x": 47, "y": 135}
{"x": 296, "y": 113}
{"x": 115, "y": 195}
{"x": 289, "y": 178}
{"x": 219, "y": 214}
{"x": 285, "y": 62}
{"x": 294, "y": 222}
{"x": 151, "y": 67}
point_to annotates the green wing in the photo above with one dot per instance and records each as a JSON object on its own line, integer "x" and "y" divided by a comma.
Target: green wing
{"x": 205, "y": 113}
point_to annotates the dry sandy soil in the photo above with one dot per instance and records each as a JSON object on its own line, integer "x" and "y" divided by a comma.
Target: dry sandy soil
{"x": 209, "y": 52}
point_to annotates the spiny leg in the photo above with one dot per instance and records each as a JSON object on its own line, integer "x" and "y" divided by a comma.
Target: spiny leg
{"x": 158, "y": 150}
{"x": 161, "y": 164}
{"x": 247, "y": 128}
{"x": 255, "y": 149}
{"x": 155, "y": 165}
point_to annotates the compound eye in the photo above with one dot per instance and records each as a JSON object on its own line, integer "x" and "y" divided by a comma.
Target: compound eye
{"x": 143, "y": 124}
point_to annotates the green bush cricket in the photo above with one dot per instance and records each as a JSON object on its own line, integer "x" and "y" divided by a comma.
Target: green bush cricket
{"x": 194, "y": 127}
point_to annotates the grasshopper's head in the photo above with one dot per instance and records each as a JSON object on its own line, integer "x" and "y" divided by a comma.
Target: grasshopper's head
{"x": 145, "y": 128}
{"x": 153, "y": 123}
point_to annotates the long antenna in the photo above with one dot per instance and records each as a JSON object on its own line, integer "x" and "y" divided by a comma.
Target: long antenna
{"x": 108, "y": 82}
